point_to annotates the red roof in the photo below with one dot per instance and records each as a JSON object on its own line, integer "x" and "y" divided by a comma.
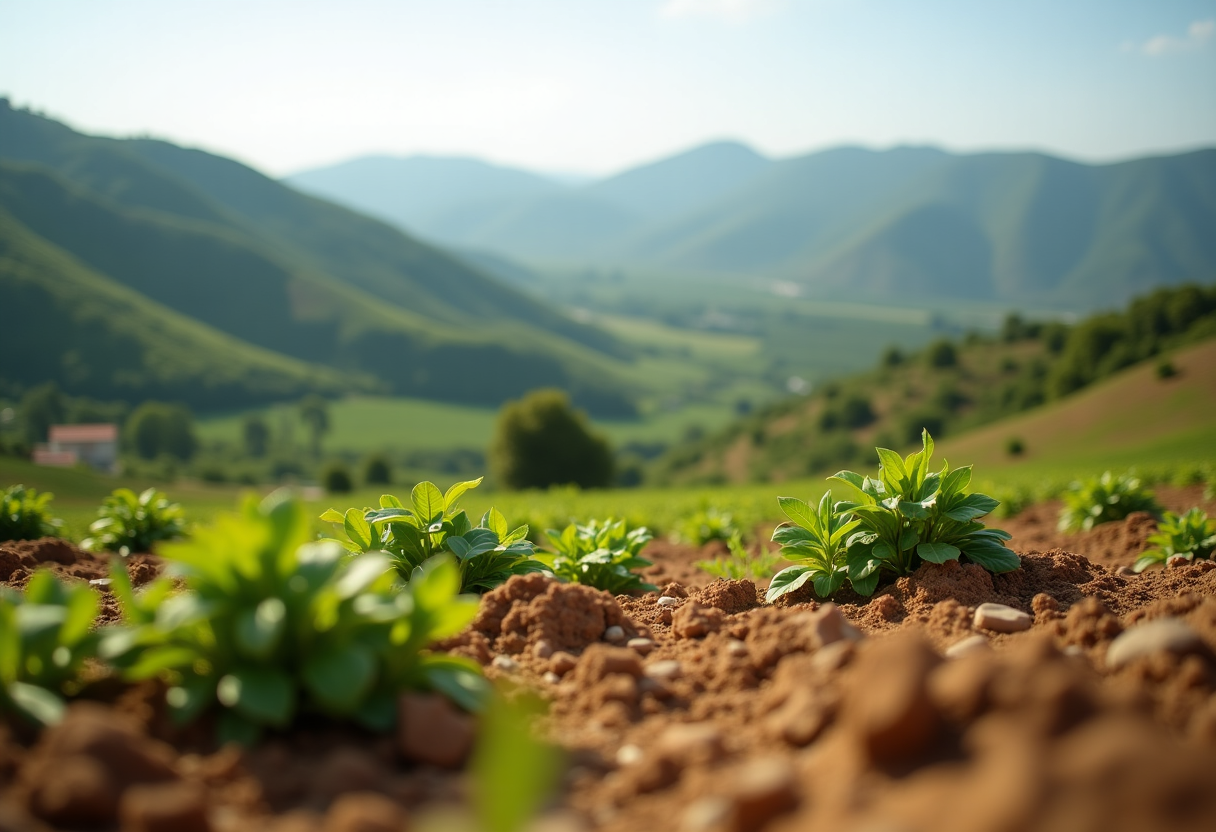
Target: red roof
{"x": 84, "y": 433}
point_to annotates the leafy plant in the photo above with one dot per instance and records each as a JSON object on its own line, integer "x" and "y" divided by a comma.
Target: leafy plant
{"x": 739, "y": 564}
{"x": 272, "y": 625}
{"x": 600, "y": 554}
{"x": 706, "y": 525}
{"x": 1104, "y": 499}
{"x": 25, "y": 515}
{"x": 488, "y": 553}
{"x": 128, "y": 523}
{"x": 45, "y": 637}
{"x": 1191, "y": 535}
{"x": 817, "y": 542}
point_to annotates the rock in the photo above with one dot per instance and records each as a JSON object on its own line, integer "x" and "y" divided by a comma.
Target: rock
{"x": 365, "y": 812}
{"x": 695, "y": 621}
{"x": 692, "y": 742}
{"x": 800, "y": 719}
{"x": 706, "y": 814}
{"x": 761, "y": 790}
{"x": 1164, "y": 634}
{"x": 832, "y": 657}
{"x": 601, "y": 661}
{"x": 663, "y": 670}
{"x": 1125, "y": 571}
{"x": 736, "y": 648}
{"x": 551, "y": 678}
{"x": 828, "y": 626}
{"x": 430, "y": 729}
{"x": 614, "y": 634}
{"x": 895, "y": 720}
{"x": 628, "y": 755}
{"x": 972, "y": 644}
{"x": 562, "y": 662}
{"x": 165, "y": 807}
{"x": 1177, "y": 561}
{"x": 641, "y": 645}
{"x": 542, "y": 649}
{"x": 1001, "y": 618}
{"x": 667, "y": 601}
{"x": 506, "y": 664}
{"x": 675, "y": 590}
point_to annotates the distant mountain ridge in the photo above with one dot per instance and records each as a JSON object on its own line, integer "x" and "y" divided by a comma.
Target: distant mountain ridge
{"x": 290, "y": 286}
{"x": 910, "y": 222}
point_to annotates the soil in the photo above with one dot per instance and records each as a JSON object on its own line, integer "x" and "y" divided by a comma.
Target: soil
{"x": 699, "y": 707}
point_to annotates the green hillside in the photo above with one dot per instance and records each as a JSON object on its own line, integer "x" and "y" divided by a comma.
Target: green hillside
{"x": 243, "y": 254}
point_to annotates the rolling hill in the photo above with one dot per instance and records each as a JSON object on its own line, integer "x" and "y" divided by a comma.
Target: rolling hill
{"x": 307, "y": 283}
{"x": 917, "y": 223}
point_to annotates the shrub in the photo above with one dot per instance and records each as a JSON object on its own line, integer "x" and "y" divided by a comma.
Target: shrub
{"x": 256, "y": 436}
{"x": 157, "y": 429}
{"x": 905, "y": 516}
{"x": 377, "y": 471}
{"x": 892, "y": 356}
{"x": 129, "y": 523}
{"x": 1191, "y": 535}
{"x": 706, "y": 525}
{"x": 25, "y": 514}
{"x": 273, "y": 624}
{"x": 335, "y": 479}
{"x": 941, "y": 354}
{"x": 600, "y": 554}
{"x": 738, "y": 564}
{"x": 541, "y": 441}
{"x": 1103, "y": 499}
{"x": 487, "y": 554}
{"x": 1166, "y": 369}
{"x": 1014, "y": 446}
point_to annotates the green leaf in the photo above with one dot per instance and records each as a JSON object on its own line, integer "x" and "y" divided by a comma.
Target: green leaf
{"x": 892, "y": 466}
{"x": 827, "y": 584}
{"x": 35, "y": 703}
{"x": 360, "y": 573}
{"x": 259, "y": 629}
{"x": 788, "y": 535}
{"x": 187, "y": 701}
{"x": 262, "y": 695}
{"x": 788, "y": 580}
{"x": 913, "y": 511}
{"x": 358, "y": 529}
{"x": 865, "y": 586}
{"x": 937, "y": 552}
{"x": 972, "y": 507}
{"x": 332, "y": 515}
{"x": 435, "y": 583}
{"x": 992, "y": 556}
{"x": 800, "y": 512}
{"x": 457, "y": 491}
{"x": 340, "y": 677}
{"x": 850, "y": 478}
{"x": 389, "y": 501}
{"x": 497, "y": 523}
{"x": 428, "y": 502}
{"x": 957, "y": 480}
{"x": 458, "y": 679}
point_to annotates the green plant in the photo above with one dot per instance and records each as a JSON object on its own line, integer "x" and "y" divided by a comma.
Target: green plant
{"x": 1014, "y": 446}
{"x": 335, "y": 478}
{"x": 540, "y": 441}
{"x": 1103, "y": 499}
{"x": 739, "y": 564}
{"x": 128, "y": 523}
{"x": 488, "y": 553}
{"x": 706, "y": 525}
{"x": 272, "y": 625}
{"x": 1191, "y": 535}
{"x": 600, "y": 554}
{"x": 46, "y": 634}
{"x": 905, "y": 516}
{"x": 25, "y": 515}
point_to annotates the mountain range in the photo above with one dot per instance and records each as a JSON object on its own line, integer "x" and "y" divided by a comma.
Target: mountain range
{"x": 135, "y": 268}
{"x": 920, "y": 223}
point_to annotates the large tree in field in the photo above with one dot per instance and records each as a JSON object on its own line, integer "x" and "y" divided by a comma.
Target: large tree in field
{"x": 541, "y": 441}
{"x": 314, "y": 411}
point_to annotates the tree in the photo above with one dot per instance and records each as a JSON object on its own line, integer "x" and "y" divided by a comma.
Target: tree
{"x": 941, "y": 353}
{"x": 257, "y": 436}
{"x": 377, "y": 471}
{"x": 314, "y": 410}
{"x": 336, "y": 478}
{"x": 40, "y": 408}
{"x": 156, "y": 429}
{"x": 541, "y": 441}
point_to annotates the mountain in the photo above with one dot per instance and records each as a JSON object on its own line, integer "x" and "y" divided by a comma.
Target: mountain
{"x": 911, "y": 223}
{"x": 280, "y": 274}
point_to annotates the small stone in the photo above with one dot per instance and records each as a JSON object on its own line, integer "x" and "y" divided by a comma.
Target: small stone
{"x": 506, "y": 664}
{"x": 761, "y": 790}
{"x": 628, "y": 755}
{"x": 668, "y": 669}
{"x": 1000, "y": 618}
{"x": 365, "y": 812}
{"x": 972, "y": 644}
{"x": 896, "y": 720}
{"x": 542, "y": 649}
{"x": 695, "y": 621}
{"x": 832, "y": 657}
{"x": 691, "y": 742}
{"x": 614, "y": 634}
{"x": 1164, "y": 634}
{"x": 100, "y": 582}
{"x": 1176, "y": 561}
{"x": 430, "y": 729}
{"x": 828, "y": 626}
{"x": 1125, "y": 571}
{"x": 667, "y": 601}
{"x": 562, "y": 662}
{"x": 641, "y": 645}
{"x": 600, "y": 661}
{"x": 675, "y": 590}
{"x": 551, "y": 678}
{"x": 737, "y": 648}
{"x": 706, "y": 814}
{"x": 165, "y": 807}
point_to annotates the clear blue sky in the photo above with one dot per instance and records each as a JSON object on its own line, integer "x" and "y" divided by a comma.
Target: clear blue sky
{"x": 598, "y": 85}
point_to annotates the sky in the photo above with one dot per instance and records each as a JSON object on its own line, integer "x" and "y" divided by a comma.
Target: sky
{"x": 596, "y": 86}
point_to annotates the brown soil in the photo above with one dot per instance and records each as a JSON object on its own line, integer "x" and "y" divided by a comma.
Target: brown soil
{"x": 714, "y": 711}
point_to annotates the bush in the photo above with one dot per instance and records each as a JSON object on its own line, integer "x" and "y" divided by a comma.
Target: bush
{"x": 706, "y": 525}
{"x": 855, "y": 412}
{"x": 335, "y": 479}
{"x": 1014, "y": 446}
{"x": 273, "y": 624}
{"x": 941, "y": 354}
{"x": 1166, "y": 369}
{"x": 1104, "y": 499}
{"x": 25, "y": 514}
{"x": 377, "y": 471}
{"x": 539, "y": 441}
{"x": 157, "y": 429}
{"x": 600, "y": 554}
{"x": 1191, "y": 535}
{"x": 128, "y": 523}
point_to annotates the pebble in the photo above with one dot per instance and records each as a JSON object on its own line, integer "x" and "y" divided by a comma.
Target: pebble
{"x": 642, "y": 645}
{"x": 972, "y": 644}
{"x": 761, "y": 790}
{"x": 668, "y": 669}
{"x": 551, "y": 677}
{"x": 628, "y": 755}
{"x": 1177, "y": 561}
{"x": 736, "y": 648}
{"x": 542, "y": 649}
{"x": 667, "y": 601}
{"x": 100, "y": 582}
{"x": 828, "y": 626}
{"x": 706, "y": 814}
{"x": 1164, "y": 634}
{"x": 832, "y": 657}
{"x": 1125, "y": 571}
{"x": 1001, "y": 618}
{"x": 691, "y": 742}
{"x": 505, "y": 664}
{"x": 614, "y": 634}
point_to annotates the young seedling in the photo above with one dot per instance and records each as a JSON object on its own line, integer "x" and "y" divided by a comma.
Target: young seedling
{"x": 487, "y": 554}
{"x": 817, "y": 542}
{"x": 600, "y": 554}
{"x": 1191, "y": 535}
{"x": 706, "y": 525}
{"x": 1104, "y": 499}
{"x": 128, "y": 523}
{"x": 739, "y": 564}
{"x": 25, "y": 514}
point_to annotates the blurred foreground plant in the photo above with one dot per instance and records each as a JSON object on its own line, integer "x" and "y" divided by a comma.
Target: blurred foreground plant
{"x": 128, "y": 523}
{"x": 25, "y": 514}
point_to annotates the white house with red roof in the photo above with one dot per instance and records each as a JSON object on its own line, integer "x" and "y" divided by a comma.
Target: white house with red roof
{"x": 94, "y": 445}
